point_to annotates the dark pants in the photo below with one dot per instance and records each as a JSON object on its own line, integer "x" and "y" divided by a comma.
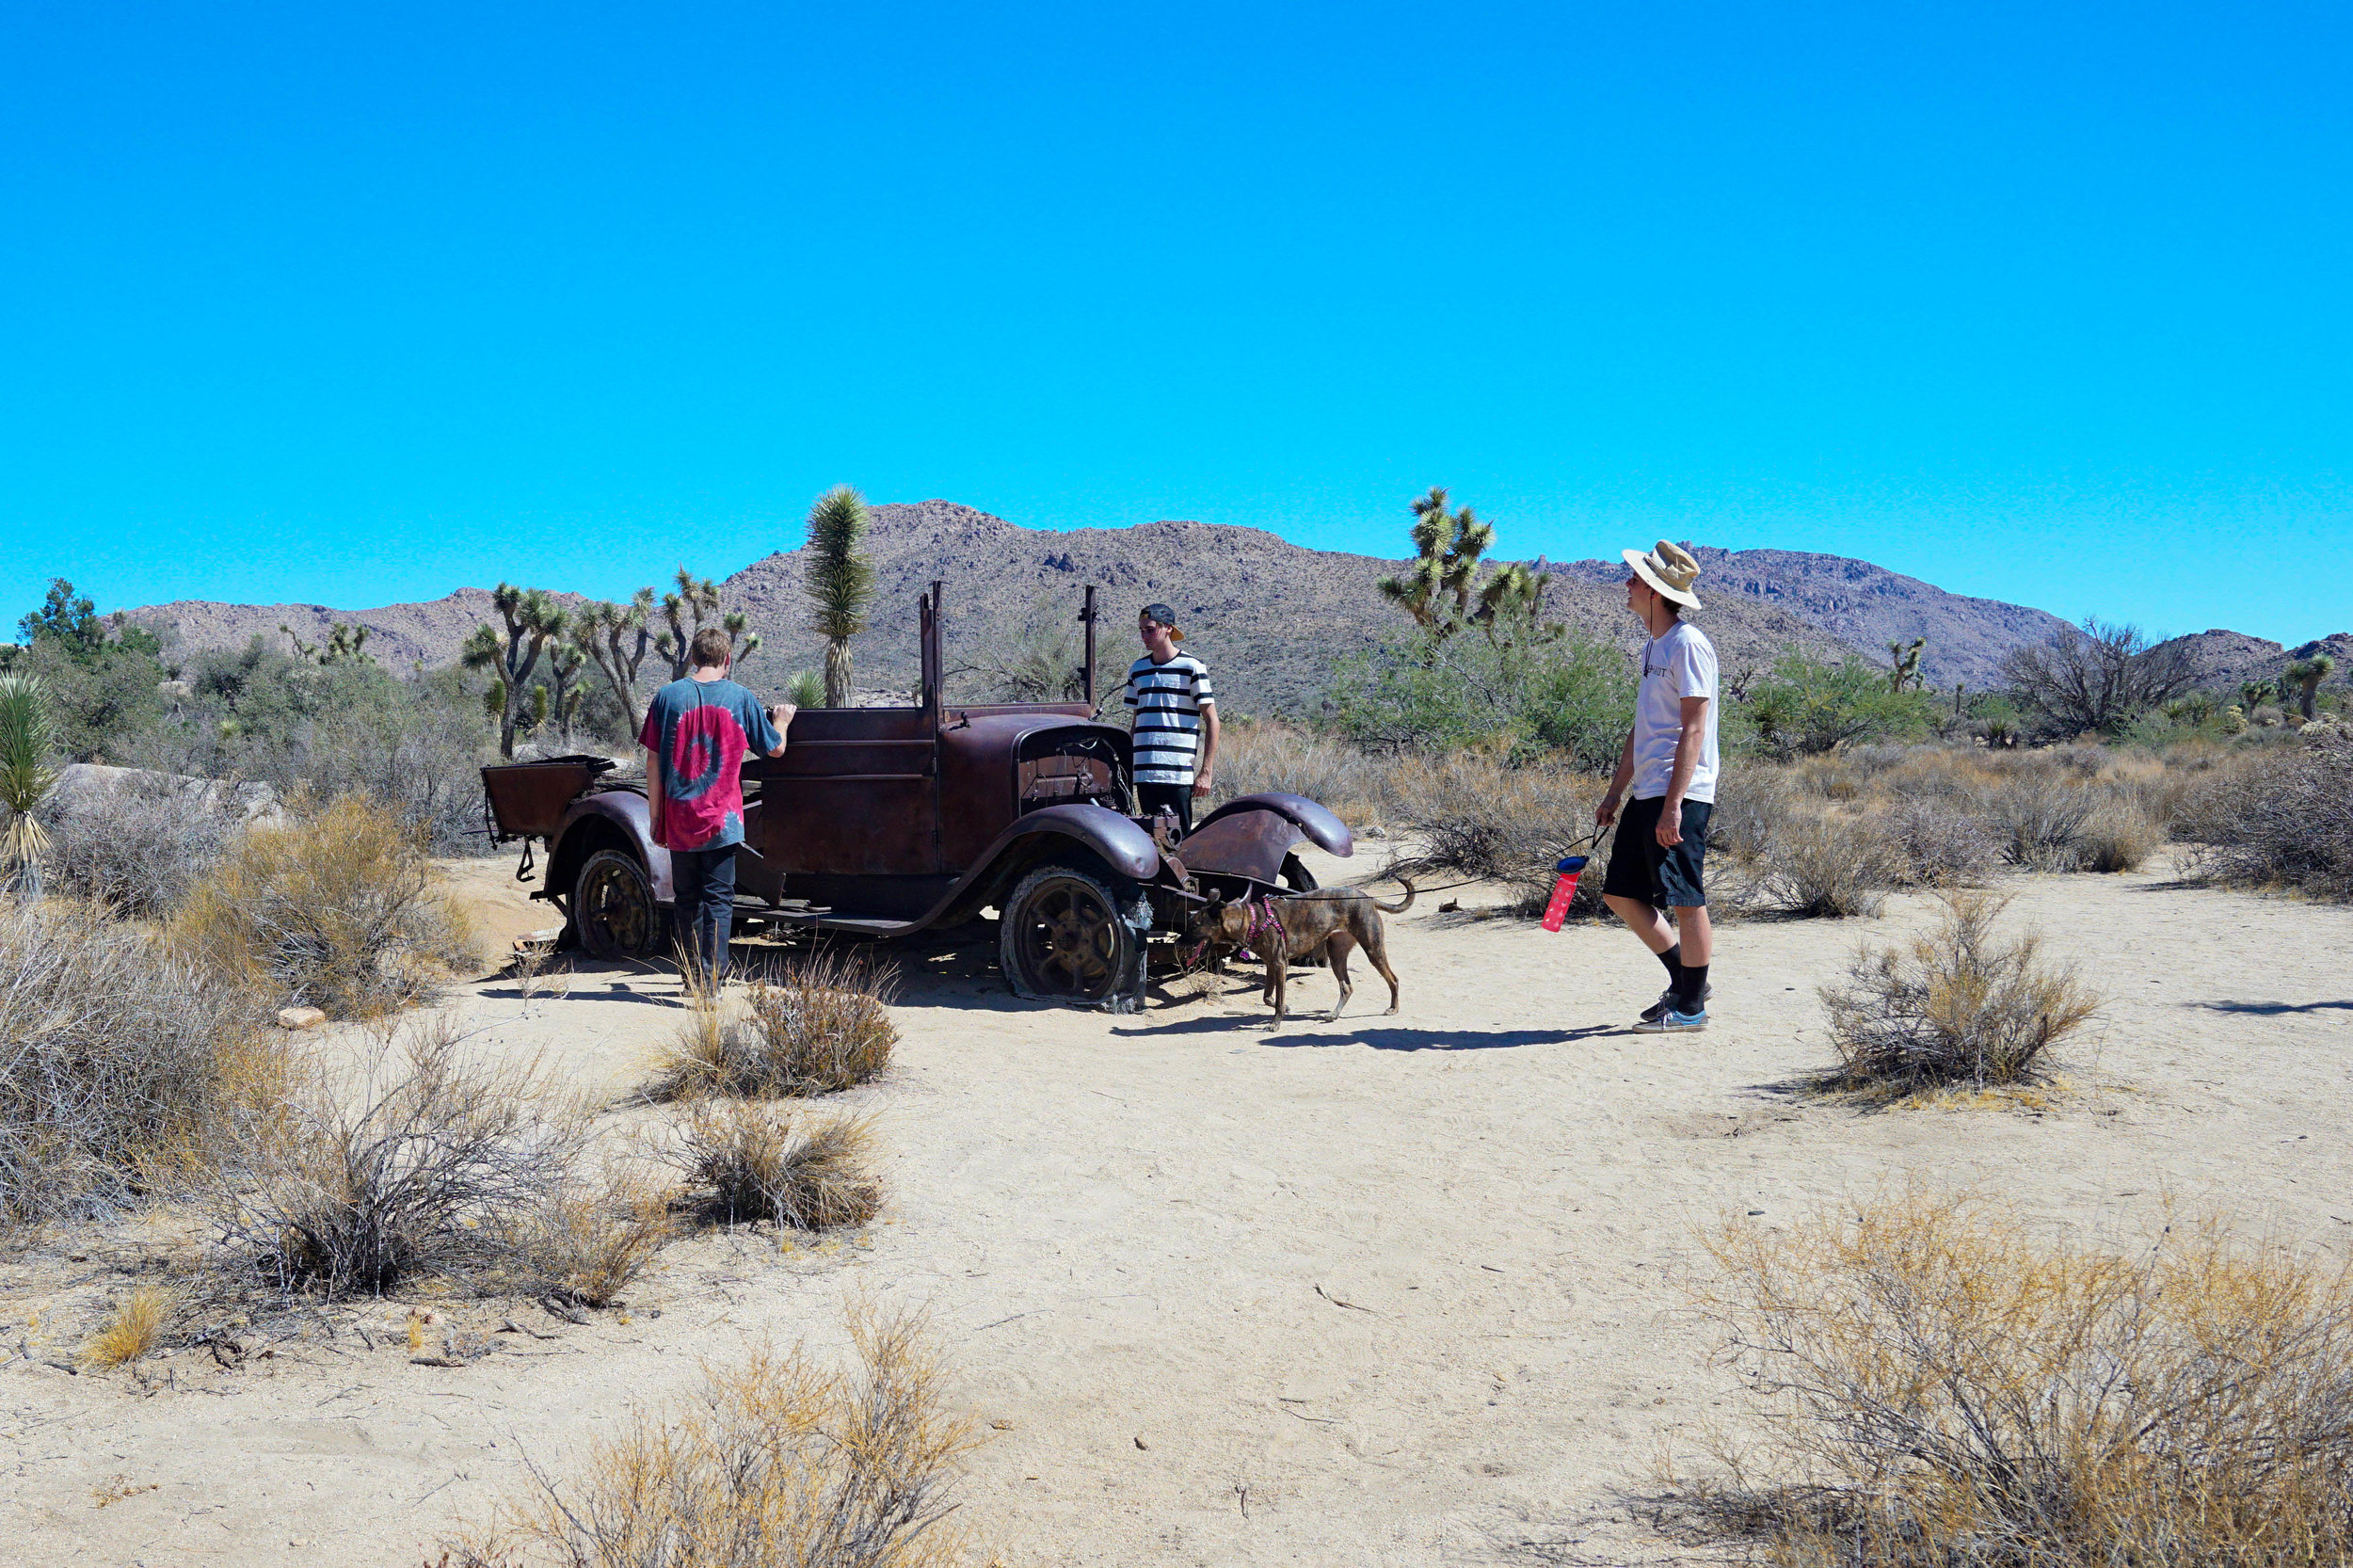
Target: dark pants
{"x": 704, "y": 880}
{"x": 1151, "y": 799}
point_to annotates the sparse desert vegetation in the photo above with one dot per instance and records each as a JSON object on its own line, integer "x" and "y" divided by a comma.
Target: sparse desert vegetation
{"x": 820, "y": 1024}
{"x": 1938, "y": 1382}
{"x": 125, "y": 1068}
{"x": 337, "y": 909}
{"x": 745, "y": 1160}
{"x": 422, "y": 1158}
{"x": 1957, "y": 1005}
{"x": 775, "y": 1459}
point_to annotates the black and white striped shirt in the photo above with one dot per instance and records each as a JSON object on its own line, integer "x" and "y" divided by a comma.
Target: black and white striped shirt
{"x": 1167, "y": 700}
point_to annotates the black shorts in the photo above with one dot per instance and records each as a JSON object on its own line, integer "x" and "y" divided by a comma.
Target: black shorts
{"x": 1641, "y": 867}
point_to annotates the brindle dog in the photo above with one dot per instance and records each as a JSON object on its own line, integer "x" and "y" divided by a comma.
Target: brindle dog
{"x": 1331, "y": 921}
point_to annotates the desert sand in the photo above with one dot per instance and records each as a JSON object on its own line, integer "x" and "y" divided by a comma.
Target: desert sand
{"x": 1389, "y": 1290}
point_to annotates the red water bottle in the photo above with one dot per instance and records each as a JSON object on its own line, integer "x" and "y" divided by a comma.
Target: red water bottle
{"x": 1564, "y": 891}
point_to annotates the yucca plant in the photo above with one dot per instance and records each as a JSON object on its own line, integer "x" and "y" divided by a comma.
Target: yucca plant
{"x": 840, "y": 582}
{"x": 28, "y": 744}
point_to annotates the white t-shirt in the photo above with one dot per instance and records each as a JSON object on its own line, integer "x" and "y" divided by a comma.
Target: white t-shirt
{"x": 1679, "y": 664}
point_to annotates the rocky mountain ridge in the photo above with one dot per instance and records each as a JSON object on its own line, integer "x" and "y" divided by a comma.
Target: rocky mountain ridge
{"x": 1271, "y": 618}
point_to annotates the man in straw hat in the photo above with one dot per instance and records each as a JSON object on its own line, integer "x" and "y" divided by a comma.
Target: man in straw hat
{"x": 1669, "y": 763}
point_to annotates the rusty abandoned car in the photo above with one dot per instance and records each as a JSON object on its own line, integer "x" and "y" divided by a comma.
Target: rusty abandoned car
{"x": 883, "y": 823}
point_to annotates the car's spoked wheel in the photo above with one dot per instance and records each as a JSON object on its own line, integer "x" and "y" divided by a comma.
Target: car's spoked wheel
{"x": 613, "y": 907}
{"x": 1065, "y": 940}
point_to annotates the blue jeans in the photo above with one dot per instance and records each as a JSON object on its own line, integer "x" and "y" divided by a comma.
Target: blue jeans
{"x": 704, "y": 910}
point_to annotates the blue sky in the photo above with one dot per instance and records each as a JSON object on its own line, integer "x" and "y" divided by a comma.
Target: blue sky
{"x": 354, "y": 304}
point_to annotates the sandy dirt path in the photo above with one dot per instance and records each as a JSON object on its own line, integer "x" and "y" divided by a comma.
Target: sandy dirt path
{"x": 1394, "y": 1291}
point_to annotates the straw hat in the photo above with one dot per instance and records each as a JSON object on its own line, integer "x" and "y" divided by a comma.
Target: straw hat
{"x": 1670, "y": 568}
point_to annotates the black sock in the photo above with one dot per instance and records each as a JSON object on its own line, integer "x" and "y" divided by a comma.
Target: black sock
{"x": 1691, "y": 989}
{"x": 1673, "y": 958}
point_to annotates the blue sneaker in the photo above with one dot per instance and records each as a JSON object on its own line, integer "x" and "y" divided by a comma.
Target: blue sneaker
{"x": 1672, "y": 1023}
{"x": 1666, "y": 1001}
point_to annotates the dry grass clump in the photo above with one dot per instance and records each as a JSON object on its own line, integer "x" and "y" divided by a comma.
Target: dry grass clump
{"x": 1957, "y": 1006}
{"x": 123, "y": 1068}
{"x": 338, "y": 909}
{"x": 133, "y": 1330}
{"x": 1940, "y": 844}
{"x": 1263, "y": 756}
{"x": 2119, "y": 838}
{"x": 139, "y": 848}
{"x": 584, "y": 1239}
{"x": 425, "y": 1160}
{"x": 1940, "y": 1388}
{"x": 2284, "y": 818}
{"x": 1818, "y": 865}
{"x": 776, "y": 1460}
{"x": 1474, "y": 816}
{"x": 822, "y": 1026}
{"x": 753, "y": 1161}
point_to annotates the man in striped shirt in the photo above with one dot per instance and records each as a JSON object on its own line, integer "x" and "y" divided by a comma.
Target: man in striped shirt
{"x": 1175, "y": 720}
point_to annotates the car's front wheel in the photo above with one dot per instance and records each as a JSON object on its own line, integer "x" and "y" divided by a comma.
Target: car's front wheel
{"x": 613, "y": 907}
{"x": 1071, "y": 935}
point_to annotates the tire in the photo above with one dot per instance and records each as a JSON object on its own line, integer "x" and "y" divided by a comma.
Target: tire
{"x": 1076, "y": 936}
{"x": 1296, "y": 876}
{"x": 613, "y": 907}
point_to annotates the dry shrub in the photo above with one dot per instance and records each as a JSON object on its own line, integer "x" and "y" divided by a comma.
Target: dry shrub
{"x": 123, "y": 1068}
{"x": 753, "y": 1161}
{"x": 585, "y": 1238}
{"x": 1262, "y": 756}
{"x": 338, "y": 909}
{"x": 1475, "y": 816}
{"x": 776, "y": 1460}
{"x": 1957, "y": 1006}
{"x": 1940, "y": 845}
{"x": 2119, "y": 838}
{"x": 1816, "y": 865}
{"x": 2041, "y": 820}
{"x": 1941, "y": 1387}
{"x": 132, "y": 1332}
{"x": 822, "y": 1026}
{"x": 2283, "y": 818}
{"x": 139, "y": 847}
{"x": 424, "y": 1160}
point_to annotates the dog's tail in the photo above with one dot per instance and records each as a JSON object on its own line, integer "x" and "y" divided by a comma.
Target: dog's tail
{"x": 1401, "y": 905}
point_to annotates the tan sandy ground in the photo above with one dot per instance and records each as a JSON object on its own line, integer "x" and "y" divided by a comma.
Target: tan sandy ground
{"x": 1386, "y": 1291}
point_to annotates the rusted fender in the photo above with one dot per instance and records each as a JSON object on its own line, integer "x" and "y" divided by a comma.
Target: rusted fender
{"x": 1324, "y": 830}
{"x": 1125, "y": 847}
{"x": 618, "y": 818}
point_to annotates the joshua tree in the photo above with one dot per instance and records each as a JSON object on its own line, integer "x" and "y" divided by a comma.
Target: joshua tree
{"x": 2253, "y": 694}
{"x": 840, "y": 583}
{"x": 1435, "y": 590}
{"x": 531, "y": 619}
{"x": 694, "y": 606}
{"x": 2306, "y": 676}
{"x": 1449, "y": 586}
{"x": 616, "y": 638}
{"x": 1904, "y": 666}
{"x": 343, "y": 646}
{"x": 28, "y": 740}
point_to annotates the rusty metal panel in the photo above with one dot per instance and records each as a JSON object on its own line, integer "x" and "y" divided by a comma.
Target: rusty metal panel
{"x": 527, "y": 799}
{"x": 855, "y": 794}
{"x": 1249, "y": 843}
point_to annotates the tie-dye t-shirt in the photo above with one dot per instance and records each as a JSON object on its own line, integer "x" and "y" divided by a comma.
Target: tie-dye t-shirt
{"x": 702, "y": 729}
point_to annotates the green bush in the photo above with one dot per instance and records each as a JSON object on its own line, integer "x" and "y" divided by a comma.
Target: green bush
{"x": 1572, "y": 696}
{"x": 1807, "y": 706}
